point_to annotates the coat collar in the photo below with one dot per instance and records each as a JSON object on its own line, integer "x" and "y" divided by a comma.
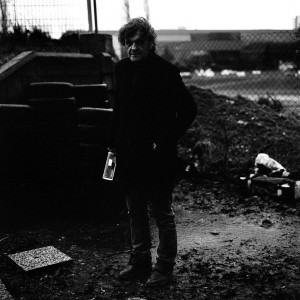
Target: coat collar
{"x": 144, "y": 62}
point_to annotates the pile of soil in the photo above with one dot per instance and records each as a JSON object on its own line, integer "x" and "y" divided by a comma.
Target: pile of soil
{"x": 231, "y": 245}
{"x": 231, "y": 132}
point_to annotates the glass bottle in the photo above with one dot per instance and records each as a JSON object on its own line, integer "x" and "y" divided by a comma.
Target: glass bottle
{"x": 110, "y": 166}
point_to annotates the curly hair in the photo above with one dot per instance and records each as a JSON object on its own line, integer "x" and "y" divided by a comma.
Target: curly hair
{"x": 137, "y": 25}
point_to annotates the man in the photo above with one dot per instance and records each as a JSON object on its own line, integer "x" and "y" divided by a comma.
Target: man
{"x": 152, "y": 110}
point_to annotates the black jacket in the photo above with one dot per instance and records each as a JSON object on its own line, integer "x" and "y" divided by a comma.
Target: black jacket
{"x": 152, "y": 105}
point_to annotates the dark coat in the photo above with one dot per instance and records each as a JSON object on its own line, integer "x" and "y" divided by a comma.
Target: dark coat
{"x": 152, "y": 105}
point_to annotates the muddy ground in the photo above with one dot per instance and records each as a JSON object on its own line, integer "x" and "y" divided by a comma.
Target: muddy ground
{"x": 230, "y": 247}
{"x": 234, "y": 243}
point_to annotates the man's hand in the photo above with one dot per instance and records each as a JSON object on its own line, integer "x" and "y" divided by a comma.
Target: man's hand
{"x": 113, "y": 150}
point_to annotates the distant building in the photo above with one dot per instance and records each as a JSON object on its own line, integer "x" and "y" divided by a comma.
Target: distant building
{"x": 213, "y": 40}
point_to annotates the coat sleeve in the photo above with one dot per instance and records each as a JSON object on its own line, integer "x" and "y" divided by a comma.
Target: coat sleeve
{"x": 114, "y": 123}
{"x": 186, "y": 111}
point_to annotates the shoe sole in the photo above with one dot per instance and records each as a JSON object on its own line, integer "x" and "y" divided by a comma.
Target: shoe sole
{"x": 159, "y": 283}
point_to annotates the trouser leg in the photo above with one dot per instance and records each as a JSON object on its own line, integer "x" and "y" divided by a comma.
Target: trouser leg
{"x": 139, "y": 223}
{"x": 161, "y": 207}
{"x": 139, "y": 264}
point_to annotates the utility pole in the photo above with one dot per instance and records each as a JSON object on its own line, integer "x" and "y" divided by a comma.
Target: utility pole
{"x": 89, "y": 9}
{"x": 146, "y": 8}
{"x": 95, "y": 16}
{"x": 15, "y": 12}
{"x": 4, "y": 16}
{"x": 127, "y": 10}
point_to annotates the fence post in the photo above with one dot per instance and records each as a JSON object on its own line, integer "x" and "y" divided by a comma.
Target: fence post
{"x": 95, "y": 16}
{"x": 89, "y": 9}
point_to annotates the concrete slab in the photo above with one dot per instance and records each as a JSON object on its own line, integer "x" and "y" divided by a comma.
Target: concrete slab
{"x": 39, "y": 258}
{"x": 4, "y": 294}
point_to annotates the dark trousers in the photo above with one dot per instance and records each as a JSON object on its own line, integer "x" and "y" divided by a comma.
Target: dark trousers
{"x": 139, "y": 201}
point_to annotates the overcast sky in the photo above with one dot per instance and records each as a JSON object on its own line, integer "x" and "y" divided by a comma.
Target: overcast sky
{"x": 57, "y": 16}
{"x": 203, "y": 14}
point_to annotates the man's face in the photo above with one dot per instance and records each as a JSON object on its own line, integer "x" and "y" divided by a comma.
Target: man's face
{"x": 137, "y": 47}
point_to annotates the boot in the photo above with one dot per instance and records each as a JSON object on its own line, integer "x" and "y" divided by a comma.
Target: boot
{"x": 137, "y": 268}
{"x": 159, "y": 278}
{"x": 161, "y": 275}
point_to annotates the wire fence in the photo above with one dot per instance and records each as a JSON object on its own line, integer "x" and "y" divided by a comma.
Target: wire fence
{"x": 259, "y": 65}
{"x": 51, "y": 16}
{"x": 254, "y": 64}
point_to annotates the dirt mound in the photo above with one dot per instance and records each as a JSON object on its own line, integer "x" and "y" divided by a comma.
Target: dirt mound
{"x": 230, "y": 132}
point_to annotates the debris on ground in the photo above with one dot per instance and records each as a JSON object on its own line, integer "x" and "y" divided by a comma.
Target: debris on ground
{"x": 39, "y": 258}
